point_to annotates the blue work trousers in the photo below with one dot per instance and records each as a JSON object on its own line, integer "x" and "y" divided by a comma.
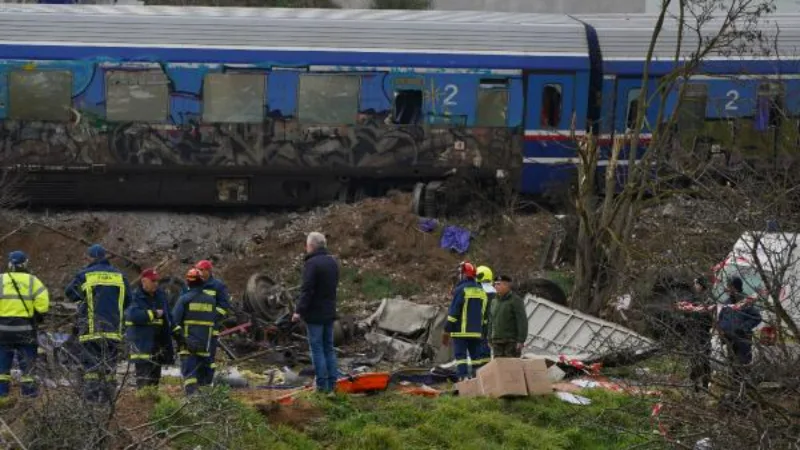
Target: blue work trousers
{"x": 484, "y": 356}
{"x": 195, "y": 371}
{"x": 206, "y": 378}
{"x": 463, "y": 348}
{"x": 323, "y": 356}
{"x": 26, "y": 357}
{"x": 99, "y": 360}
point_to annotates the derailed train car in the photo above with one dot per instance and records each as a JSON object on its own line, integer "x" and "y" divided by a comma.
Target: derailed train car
{"x": 203, "y": 106}
{"x": 165, "y": 106}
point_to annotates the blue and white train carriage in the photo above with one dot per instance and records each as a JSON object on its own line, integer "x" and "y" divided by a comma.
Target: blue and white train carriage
{"x": 111, "y": 105}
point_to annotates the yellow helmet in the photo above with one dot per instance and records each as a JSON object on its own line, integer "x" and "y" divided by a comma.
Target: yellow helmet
{"x": 484, "y": 275}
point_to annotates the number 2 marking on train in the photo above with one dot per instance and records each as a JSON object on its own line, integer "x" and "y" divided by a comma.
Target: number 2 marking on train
{"x": 733, "y": 95}
{"x": 452, "y": 91}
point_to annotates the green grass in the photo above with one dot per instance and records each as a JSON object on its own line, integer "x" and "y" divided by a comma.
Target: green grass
{"x": 372, "y": 285}
{"x": 213, "y": 417}
{"x": 564, "y": 280}
{"x": 389, "y": 421}
{"x": 394, "y": 421}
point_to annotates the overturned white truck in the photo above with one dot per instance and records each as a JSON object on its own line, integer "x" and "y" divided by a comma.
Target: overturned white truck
{"x": 758, "y": 257}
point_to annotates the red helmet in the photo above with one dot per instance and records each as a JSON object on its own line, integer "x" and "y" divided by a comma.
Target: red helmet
{"x": 193, "y": 276}
{"x": 203, "y": 265}
{"x": 467, "y": 269}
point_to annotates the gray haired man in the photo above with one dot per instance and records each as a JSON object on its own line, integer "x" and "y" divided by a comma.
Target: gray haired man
{"x": 317, "y": 308}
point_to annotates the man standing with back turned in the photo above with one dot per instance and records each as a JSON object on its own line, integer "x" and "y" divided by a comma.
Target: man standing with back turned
{"x": 317, "y": 307}
{"x": 102, "y": 293}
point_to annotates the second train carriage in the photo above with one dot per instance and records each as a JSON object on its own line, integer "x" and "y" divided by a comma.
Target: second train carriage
{"x": 157, "y": 106}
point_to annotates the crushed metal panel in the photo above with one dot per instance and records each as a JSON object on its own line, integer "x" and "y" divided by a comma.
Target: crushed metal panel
{"x": 554, "y": 330}
{"x": 395, "y": 349}
{"x": 405, "y": 317}
{"x": 442, "y": 353}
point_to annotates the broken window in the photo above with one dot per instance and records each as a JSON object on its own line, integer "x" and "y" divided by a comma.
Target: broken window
{"x": 551, "y": 106}
{"x": 633, "y": 109}
{"x": 328, "y": 99}
{"x": 40, "y": 95}
{"x": 407, "y": 109}
{"x": 137, "y": 96}
{"x": 234, "y": 97}
{"x": 691, "y": 111}
{"x": 492, "y": 103}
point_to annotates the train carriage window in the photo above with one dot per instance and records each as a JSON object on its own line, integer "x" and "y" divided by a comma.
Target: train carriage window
{"x": 633, "y": 109}
{"x": 407, "y": 108}
{"x": 691, "y": 112}
{"x": 551, "y": 106}
{"x": 328, "y": 99}
{"x": 137, "y": 96}
{"x": 492, "y": 103}
{"x": 234, "y": 97}
{"x": 40, "y": 95}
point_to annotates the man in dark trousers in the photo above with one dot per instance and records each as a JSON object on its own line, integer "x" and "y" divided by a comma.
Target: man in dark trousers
{"x": 699, "y": 314}
{"x": 216, "y": 288}
{"x": 195, "y": 317}
{"x": 24, "y": 301}
{"x": 102, "y": 293}
{"x": 466, "y": 320}
{"x": 736, "y": 322}
{"x": 317, "y": 308}
{"x": 149, "y": 330}
{"x": 508, "y": 326}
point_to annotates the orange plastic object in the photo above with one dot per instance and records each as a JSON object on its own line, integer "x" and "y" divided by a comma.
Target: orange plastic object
{"x": 364, "y": 382}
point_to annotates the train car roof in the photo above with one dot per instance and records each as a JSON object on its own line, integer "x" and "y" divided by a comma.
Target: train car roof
{"x": 381, "y": 31}
{"x": 627, "y": 37}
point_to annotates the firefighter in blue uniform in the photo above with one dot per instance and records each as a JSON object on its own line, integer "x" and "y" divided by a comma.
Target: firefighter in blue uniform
{"x": 102, "y": 293}
{"x": 149, "y": 330}
{"x": 217, "y": 289}
{"x": 485, "y": 276}
{"x": 23, "y": 301}
{"x": 466, "y": 319}
{"x": 195, "y": 317}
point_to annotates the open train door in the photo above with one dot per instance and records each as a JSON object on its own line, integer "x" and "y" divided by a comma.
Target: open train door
{"x": 549, "y": 151}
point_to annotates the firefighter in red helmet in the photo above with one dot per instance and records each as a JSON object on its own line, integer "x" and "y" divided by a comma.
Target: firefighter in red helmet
{"x": 216, "y": 288}
{"x": 466, "y": 319}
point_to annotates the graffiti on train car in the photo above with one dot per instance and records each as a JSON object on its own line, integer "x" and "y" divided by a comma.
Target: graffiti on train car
{"x": 212, "y": 115}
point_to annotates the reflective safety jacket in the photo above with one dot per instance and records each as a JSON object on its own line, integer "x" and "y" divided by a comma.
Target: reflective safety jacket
{"x": 22, "y": 300}
{"x": 195, "y": 317}
{"x": 467, "y": 315}
{"x": 102, "y": 294}
{"x": 149, "y": 335}
{"x": 217, "y": 289}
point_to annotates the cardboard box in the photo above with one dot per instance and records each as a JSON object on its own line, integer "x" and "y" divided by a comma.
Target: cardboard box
{"x": 503, "y": 377}
{"x": 469, "y": 388}
{"x": 513, "y": 377}
{"x": 537, "y": 378}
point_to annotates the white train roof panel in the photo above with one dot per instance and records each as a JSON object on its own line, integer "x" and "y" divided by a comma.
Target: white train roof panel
{"x": 472, "y": 32}
{"x": 628, "y": 36}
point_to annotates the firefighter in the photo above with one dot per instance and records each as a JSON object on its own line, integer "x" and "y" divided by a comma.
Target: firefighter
{"x": 217, "y": 289}
{"x": 195, "y": 317}
{"x": 149, "y": 330}
{"x": 102, "y": 293}
{"x": 23, "y": 302}
{"x": 485, "y": 277}
{"x": 466, "y": 319}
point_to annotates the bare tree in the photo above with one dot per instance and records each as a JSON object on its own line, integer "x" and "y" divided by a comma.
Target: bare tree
{"x": 605, "y": 224}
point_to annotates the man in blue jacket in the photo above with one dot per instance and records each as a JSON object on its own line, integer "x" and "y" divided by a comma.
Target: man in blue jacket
{"x": 466, "y": 320}
{"x": 736, "y": 321}
{"x": 195, "y": 317}
{"x": 102, "y": 293}
{"x": 216, "y": 288}
{"x": 149, "y": 330}
{"x": 317, "y": 308}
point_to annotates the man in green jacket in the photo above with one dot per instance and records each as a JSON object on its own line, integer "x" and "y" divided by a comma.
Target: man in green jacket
{"x": 508, "y": 327}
